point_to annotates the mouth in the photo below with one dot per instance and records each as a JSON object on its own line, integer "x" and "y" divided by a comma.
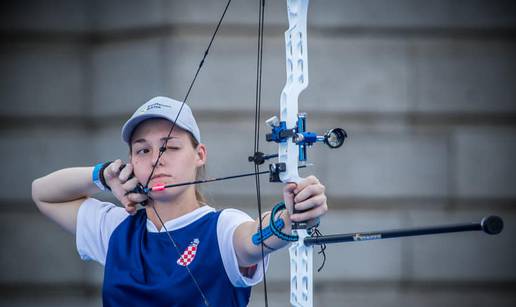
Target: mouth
{"x": 160, "y": 176}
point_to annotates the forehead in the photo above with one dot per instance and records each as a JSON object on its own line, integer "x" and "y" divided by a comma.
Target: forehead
{"x": 156, "y": 127}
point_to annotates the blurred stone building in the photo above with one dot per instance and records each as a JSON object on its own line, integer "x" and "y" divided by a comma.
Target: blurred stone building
{"x": 425, "y": 89}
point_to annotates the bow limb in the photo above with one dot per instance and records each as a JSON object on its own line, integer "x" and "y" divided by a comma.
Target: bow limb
{"x": 297, "y": 80}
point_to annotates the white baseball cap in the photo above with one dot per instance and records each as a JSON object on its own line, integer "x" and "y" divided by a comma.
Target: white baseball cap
{"x": 162, "y": 107}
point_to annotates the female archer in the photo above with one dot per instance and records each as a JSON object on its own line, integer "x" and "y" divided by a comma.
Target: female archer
{"x": 176, "y": 250}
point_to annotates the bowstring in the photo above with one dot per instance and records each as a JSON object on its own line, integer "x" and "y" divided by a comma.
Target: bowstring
{"x": 258, "y": 99}
{"x": 164, "y": 148}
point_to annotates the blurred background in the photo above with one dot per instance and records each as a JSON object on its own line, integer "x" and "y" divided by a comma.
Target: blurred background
{"x": 425, "y": 88}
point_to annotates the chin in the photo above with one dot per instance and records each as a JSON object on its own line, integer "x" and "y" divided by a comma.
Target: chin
{"x": 164, "y": 195}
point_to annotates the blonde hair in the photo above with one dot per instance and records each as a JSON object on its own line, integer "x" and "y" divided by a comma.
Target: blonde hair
{"x": 200, "y": 173}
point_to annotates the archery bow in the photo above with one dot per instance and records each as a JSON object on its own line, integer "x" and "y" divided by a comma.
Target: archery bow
{"x": 293, "y": 139}
{"x": 290, "y": 153}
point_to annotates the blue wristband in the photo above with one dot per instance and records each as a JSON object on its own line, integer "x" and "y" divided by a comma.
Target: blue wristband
{"x": 267, "y": 232}
{"x": 96, "y": 176}
{"x": 277, "y": 232}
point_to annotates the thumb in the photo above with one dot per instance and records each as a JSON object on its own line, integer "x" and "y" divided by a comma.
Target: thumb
{"x": 288, "y": 196}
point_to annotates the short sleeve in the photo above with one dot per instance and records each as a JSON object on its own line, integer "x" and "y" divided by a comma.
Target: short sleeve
{"x": 229, "y": 220}
{"x": 96, "y": 221}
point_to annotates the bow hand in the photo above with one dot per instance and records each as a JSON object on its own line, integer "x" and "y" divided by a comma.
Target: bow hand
{"x": 305, "y": 201}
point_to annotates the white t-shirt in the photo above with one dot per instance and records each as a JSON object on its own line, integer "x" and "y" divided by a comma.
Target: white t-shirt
{"x": 97, "y": 220}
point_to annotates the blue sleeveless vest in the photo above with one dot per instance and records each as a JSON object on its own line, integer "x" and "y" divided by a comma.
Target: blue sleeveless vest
{"x": 144, "y": 269}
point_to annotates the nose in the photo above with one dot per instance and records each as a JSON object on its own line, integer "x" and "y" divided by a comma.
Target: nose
{"x": 157, "y": 156}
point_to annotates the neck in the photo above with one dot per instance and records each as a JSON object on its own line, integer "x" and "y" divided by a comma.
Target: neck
{"x": 170, "y": 209}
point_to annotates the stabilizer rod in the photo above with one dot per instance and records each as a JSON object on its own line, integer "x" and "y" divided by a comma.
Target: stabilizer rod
{"x": 491, "y": 225}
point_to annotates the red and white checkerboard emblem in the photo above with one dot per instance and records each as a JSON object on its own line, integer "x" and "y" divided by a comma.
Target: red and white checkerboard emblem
{"x": 189, "y": 254}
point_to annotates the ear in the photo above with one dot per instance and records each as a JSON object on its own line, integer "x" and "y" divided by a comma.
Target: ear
{"x": 201, "y": 155}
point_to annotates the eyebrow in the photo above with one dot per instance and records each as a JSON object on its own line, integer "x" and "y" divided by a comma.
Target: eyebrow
{"x": 163, "y": 139}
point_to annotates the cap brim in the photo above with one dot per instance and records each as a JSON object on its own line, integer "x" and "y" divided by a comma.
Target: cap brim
{"x": 131, "y": 124}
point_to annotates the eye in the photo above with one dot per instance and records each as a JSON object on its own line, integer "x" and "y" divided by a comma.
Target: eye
{"x": 142, "y": 151}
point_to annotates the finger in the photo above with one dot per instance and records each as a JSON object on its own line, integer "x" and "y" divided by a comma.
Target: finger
{"x": 113, "y": 169}
{"x": 130, "y": 184}
{"x": 289, "y": 188}
{"x": 129, "y": 206}
{"x": 288, "y": 191}
{"x": 137, "y": 197}
{"x": 116, "y": 165}
{"x": 315, "y": 201}
{"x": 288, "y": 196}
{"x": 306, "y": 182}
{"x": 309, "y": 215}
{"x": 309, "y": 191}
{"x": 131, "y": 209}
{"x": 126, "y": 172}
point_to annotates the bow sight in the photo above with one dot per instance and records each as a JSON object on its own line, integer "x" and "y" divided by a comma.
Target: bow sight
{"x": 334, "y": 138}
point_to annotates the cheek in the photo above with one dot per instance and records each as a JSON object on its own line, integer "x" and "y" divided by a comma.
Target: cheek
{"x": 139, "y": 171}
{"x": 187, "y": 164}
